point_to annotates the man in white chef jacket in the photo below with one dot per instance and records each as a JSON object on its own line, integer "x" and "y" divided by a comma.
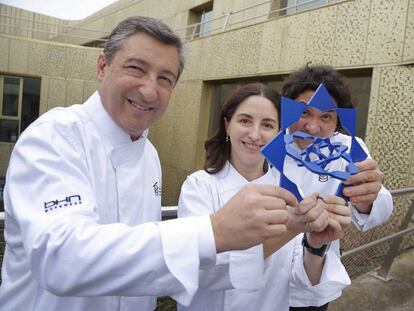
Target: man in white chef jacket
{"x": 83, "y": 201}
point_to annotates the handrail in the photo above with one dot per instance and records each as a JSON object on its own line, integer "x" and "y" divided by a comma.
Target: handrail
{"x": 232, "y": 13}
{"x": 68, "y": 27}
{"x": 401, "y": 191}
{"x": 52, "y": 33}
{"x": 359, "y": 249}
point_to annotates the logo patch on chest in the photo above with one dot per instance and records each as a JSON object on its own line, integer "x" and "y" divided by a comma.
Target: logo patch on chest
{"x": 68, "y": 201}
{"x": 323, "y": 178}
{"x": 157, "y": 189}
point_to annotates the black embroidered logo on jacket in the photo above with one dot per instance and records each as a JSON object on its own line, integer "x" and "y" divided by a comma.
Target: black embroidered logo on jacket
{"x": 323, "y": 178}
{"x": 68, "y": 201}
{"x": 157, "y": 189}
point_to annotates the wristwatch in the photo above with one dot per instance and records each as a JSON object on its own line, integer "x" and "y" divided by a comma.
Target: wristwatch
{"x": 315, "y": 251}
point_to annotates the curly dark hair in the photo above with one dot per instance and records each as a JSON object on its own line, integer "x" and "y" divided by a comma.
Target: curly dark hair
{"x": 309, "y": 78}
{"x": 217, "y": 149}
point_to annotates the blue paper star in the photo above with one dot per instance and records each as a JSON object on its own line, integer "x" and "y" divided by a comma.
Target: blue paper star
{"x": 321, "y": 151}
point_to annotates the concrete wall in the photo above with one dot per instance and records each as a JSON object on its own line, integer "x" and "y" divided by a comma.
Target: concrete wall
{"x": 67, "y": 73}
{"x": 390, "y": 128}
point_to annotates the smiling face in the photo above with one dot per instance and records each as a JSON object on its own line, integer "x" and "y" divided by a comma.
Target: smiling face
{"x": 253, "y": 124}
{"x": 313, "y": 121}
{"x": 135, "y": 88}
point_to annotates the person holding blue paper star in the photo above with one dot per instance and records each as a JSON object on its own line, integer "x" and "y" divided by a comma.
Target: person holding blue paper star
{"x": 261, "y": 277}
{"x": 371, "y": 204}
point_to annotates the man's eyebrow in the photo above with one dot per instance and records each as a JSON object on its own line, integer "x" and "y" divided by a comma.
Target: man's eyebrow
{"x": 145, "y": 64}
{"x": 136, "y": 60}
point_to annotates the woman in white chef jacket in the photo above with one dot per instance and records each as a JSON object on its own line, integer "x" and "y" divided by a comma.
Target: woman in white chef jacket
{"x": 370, "y": 203}
{"x": 248, "y": 120}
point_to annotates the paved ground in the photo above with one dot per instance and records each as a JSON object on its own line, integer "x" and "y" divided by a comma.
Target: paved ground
{"x": 368, "y": 293}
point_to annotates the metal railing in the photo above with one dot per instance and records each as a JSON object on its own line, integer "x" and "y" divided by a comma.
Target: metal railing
{"x": 396, "y": 238}
{"x": 170, "y": 212}
{"x": 230, "y": 20}
{"x": 226, "y": 21}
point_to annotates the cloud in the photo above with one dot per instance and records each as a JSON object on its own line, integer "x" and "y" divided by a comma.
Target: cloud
{"x": 65, "y": 9}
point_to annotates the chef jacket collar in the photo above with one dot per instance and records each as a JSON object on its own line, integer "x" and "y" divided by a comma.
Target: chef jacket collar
{"x": 105, "y": 124}
{"x": 237, "y": 181}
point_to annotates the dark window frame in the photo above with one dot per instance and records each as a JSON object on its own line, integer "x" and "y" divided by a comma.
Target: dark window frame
{"x": 28, "y": 105}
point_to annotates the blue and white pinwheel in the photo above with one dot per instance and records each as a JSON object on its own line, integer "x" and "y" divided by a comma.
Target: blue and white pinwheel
{"x": 317, "y": 155}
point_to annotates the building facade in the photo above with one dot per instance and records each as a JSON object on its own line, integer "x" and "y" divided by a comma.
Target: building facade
{"x": 229, "y": 42}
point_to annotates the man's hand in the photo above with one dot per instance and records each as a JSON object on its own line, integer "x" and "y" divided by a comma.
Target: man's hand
{"x": 364, "y": 186}
{"x": 338, "y": 220}
{"x": 255, "y": 213}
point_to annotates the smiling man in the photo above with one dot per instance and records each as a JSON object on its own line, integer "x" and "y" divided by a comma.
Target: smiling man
{"x": 136, "y": 83}
{"x": 83, "y": 199}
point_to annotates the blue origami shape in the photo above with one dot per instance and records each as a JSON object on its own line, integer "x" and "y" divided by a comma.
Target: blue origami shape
{"x": 321, "y": 151}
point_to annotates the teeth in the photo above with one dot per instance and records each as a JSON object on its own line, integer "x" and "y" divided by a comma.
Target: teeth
{"x": 138, "y": 106}
{"x": 252, "y": 146}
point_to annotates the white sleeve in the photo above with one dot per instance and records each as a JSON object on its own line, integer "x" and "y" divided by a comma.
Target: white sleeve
{"x": 69, "y": 253}
{"x": 236, "y": 269}
{"x": 380, "y": 212}
{"x": 381, "y": 208}
{"x": 334, "y": 278}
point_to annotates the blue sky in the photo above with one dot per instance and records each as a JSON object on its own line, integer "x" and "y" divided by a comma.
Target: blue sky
{"x": 66, "y": 9}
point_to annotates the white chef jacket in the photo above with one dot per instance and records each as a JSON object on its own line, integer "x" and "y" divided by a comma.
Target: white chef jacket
{"x": 82, "y": 210}
{"x": 259, "y": 286}
{"x": 308, "y": 182}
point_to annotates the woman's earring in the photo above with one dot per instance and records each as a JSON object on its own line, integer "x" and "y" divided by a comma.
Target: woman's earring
{"x": 227, "y": 138}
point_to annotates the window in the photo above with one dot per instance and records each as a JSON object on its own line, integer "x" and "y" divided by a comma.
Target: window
{"x": 19, "y": 105}
{"x": 284, "y": 7}
{"x": 201, "y": 19}
{"x": 360, "y": 80}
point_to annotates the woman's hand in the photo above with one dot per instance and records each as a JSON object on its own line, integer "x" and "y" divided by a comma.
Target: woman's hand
{"x": 338, "y": 220}
{"x": 310, "y": 215}
{"x": 364, "y": 186}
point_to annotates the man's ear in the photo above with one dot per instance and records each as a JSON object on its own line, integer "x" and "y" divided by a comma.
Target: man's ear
{"x": 101, "y": 66}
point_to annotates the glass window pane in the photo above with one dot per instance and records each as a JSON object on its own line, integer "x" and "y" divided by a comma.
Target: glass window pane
{"x": 361, "y": 90}
{"x": 30, "y": 101}
{"x": 310, "y": 5}
{"x": 206, "y": 18}
{"x": 291, "y": 3}
{"x": 10, "y": 96}
{"x": 9, "y": 130}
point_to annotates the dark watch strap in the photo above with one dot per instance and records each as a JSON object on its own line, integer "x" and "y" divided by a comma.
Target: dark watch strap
{"x": 315, "y": 251}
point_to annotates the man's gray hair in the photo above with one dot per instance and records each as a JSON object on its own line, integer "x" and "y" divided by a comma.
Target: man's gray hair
{"x": 148, "y": 25}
